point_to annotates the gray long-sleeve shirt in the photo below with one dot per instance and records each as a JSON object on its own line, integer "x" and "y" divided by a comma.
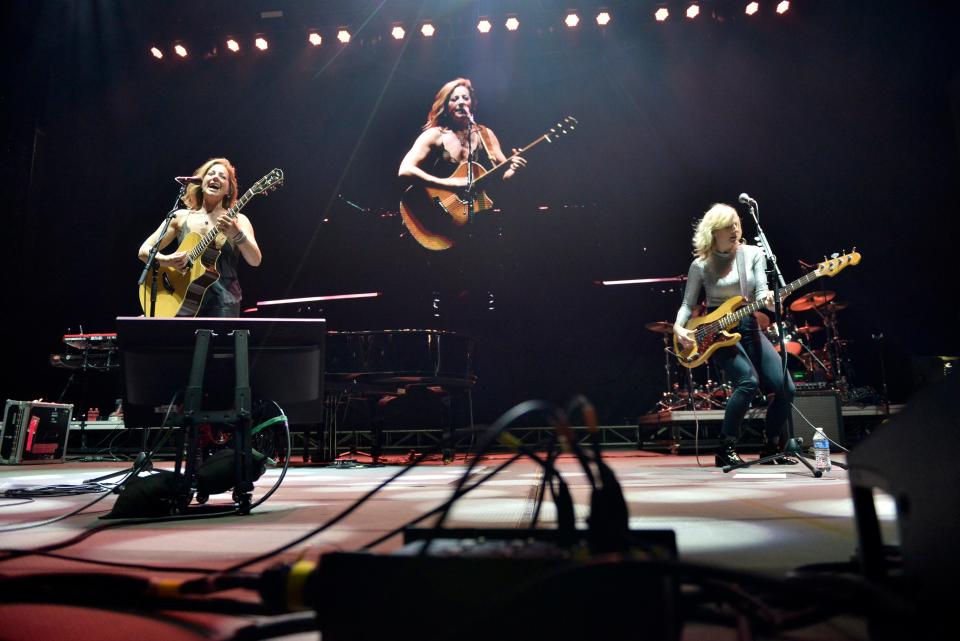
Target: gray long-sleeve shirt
{"x": 704, "y": 273}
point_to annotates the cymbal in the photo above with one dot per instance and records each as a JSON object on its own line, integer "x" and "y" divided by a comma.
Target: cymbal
{"x": 948, "y": 359}
{"x": 834, "y": 306}
{"x": 809, "y": 329}
{"x": 811, "y": 300}
{"x": 663, "y": 327}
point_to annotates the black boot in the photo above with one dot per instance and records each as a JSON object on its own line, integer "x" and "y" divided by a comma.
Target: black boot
{"x": 725, "y": 454}
{"x": 775, "y": 448}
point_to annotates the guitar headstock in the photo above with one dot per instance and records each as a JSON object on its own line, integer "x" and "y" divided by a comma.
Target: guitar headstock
{"x": 268, "y": 183}
{"x": 833, "y": 266}
{"x": 562, "y": 128}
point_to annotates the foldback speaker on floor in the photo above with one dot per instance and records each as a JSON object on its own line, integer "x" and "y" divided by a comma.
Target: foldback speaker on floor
{"x": 822, "y": 408}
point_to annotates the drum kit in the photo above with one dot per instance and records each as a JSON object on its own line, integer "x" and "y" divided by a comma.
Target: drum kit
{"x": 816, "y": 354}
{"x": 710, "y": 394}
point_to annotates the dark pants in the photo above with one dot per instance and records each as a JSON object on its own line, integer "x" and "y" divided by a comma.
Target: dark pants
{"x": 751, "y": 364}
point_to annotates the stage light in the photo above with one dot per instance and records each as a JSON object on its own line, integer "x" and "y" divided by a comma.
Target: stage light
{"x": 572, "y": 20}
{"x": 693, "y": 11}
{"x": 512, "y": 23}
{"x": 261, "y": 43}
{"x": 180, "y": 50}
{"x": 314, "y": 39}
{"x": 156, "y": 53}
{"x": 603, "y": 18}
{"x": 427, "y": 30}
{"x": 484, "y": 26}
{"x": 397, "y": 32}
{"x": 661, "y": 14}
{"x": 783, "y": 7}
{"x": 233, "y": 45}
{"x": 752, "y": 8}
{"x": 343, "y": 36}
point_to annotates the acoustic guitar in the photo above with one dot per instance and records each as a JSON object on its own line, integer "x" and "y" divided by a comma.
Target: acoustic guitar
{"x": 179, "y": 293}
{"x": 711, "y": 330}
{"x": 435, "y": 216}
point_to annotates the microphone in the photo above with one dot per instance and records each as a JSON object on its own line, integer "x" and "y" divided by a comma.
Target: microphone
{"x": 189, "y": 180}
{"x": 746, "y": 200}
{"x": 466, "y": 110}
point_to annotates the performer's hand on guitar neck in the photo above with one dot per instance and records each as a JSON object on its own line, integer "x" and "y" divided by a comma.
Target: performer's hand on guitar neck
{"x": 516, "y": 163}
{"x": 684, "y": 335}
{"x": 767, "y": 300}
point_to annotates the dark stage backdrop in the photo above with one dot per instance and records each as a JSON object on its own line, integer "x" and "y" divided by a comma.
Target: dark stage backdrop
{"x": 839, "y": 118}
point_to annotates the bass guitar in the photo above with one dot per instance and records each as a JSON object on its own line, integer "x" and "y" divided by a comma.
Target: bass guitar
{"x": 711, "y": 330}
{"x": 179, "y": 293}
{"x": 435, "y": 215}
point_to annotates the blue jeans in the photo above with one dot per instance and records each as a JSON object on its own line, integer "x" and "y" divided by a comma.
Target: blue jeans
{"x": 751, "y": 364}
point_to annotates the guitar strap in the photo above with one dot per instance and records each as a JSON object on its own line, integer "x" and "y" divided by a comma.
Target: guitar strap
{"x": 742, "y": 272}
{"x": 485, "y": 141}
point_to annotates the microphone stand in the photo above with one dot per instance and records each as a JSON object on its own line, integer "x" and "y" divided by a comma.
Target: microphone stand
{"x": 792, "y": 450}
{"x": 470, "y": 127}
{"x": 152, "y": 265}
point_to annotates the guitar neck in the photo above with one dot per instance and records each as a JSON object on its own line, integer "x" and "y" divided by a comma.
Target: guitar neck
{"x": 209, "y": 237}
{"x": 506, "y": 162}
{"x": 755, "y": 306}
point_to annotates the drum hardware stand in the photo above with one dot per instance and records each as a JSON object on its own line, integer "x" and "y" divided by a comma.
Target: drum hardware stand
{"x": 792, "y": 449}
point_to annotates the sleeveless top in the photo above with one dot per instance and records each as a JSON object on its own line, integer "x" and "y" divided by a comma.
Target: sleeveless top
{"x": 439, "y": 162}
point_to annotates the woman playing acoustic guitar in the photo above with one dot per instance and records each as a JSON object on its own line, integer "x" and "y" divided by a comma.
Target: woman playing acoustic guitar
{"x": 207, "y": 204}
{"x": 752, "y": 362}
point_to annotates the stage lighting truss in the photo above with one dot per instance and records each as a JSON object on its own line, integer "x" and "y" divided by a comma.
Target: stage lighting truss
{"x": 692, "y": 9}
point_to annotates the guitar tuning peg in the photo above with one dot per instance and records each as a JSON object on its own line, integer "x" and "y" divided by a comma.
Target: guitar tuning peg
{"x": 834, "y": 255}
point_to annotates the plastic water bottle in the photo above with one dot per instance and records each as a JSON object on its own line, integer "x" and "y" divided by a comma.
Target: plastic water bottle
{"x": 821, "y": 450}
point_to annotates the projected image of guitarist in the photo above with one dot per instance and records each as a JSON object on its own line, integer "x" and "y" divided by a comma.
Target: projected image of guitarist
{"x": 726, "y": 268}
{"x": 207, "y": 286}
{"x": 452, "y": 152}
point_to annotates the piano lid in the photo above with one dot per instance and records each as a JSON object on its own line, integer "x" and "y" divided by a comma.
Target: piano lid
{"x": 401, "y": 357}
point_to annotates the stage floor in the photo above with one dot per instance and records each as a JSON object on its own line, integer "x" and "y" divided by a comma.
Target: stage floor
{"x": 769, "y": 519}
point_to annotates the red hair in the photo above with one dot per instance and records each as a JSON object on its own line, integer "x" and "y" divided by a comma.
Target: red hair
{"x": 438, "y": 116}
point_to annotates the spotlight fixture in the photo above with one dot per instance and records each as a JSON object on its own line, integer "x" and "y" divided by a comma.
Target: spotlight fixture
{"x": 314, "y": 39}
{"x": 603, "y": 18}
{"x": 343, "y": 36}
{"x": 512, "y": 23}
{"x": 572, "y": 20}
{"x": 233, "y": 45}
{"x": 693, "y": 11}
{"x": 752, "y": 8}
{"x": 783, "y": 7}
{"x": 156, "y": 53}
{"x": 484, "y": 26}
{"x": 397, "y": 32}
{"x": 261, "y": 43}
{"x": 180, "y": 50}
{"x": 661, "y": 14}
{"x": 427, "y": 30}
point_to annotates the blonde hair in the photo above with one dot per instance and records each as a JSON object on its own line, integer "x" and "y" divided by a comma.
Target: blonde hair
{"x": 438, "y": 116}
{"x": 193, "y": 198}
{"x": 717, "y": 217}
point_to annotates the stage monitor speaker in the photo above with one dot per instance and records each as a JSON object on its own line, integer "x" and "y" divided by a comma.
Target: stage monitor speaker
{"x": 34, "y": 432}
{"x": 822, "y": 408}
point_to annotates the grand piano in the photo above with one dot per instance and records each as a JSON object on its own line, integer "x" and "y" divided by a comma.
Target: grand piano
{"x": 378, "y": 367}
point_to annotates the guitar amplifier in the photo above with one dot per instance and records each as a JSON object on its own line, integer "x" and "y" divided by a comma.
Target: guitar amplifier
{"x": 821, "y": 408}
{"x": 34, "y": 432}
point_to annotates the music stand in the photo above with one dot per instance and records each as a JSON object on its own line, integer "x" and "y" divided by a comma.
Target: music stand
{"x": 211, "y": 369}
